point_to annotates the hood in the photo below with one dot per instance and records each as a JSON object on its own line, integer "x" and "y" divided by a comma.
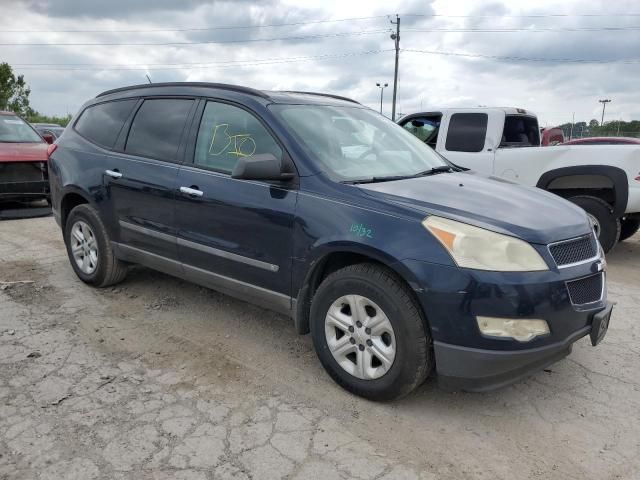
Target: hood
{"x": 23, "y": 152}
{"x": 492, "y": 203}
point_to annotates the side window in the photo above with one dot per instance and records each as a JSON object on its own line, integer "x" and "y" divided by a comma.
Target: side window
{"x": 466, "y": 132}
{"x": 425, "y": 128}
{"x": 157, "y": 128}
{"x": 227, "y": 133}
{"x": 520, "y": 131}
{"x": 102, "y": 123}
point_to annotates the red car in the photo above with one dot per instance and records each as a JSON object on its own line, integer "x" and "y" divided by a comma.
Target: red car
{"x": 23, "y": 160}
{"x": 603, "y": 141}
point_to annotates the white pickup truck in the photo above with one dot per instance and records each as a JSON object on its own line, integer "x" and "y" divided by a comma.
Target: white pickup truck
{"x": 602, "y": 179}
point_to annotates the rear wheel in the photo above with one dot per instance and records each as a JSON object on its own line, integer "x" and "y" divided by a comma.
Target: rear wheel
{"x": 629, "y": 227}
{"x": 605, "y": 223}
{"x": 369, "y": 334}
{"x": 89, "y": 248}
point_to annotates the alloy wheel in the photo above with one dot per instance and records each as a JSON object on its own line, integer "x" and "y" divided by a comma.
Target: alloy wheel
{"x": 84, "y": 247}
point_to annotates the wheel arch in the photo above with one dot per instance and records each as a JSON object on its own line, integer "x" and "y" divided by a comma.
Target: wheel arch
{"x": 616, "y": 176}
{"x": 329, "y": 258}
{"x": 71, "y": 197}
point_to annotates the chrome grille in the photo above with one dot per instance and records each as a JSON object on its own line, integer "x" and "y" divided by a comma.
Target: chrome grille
{"x": 575, "y": 250}
{"x": 586, "y": 290}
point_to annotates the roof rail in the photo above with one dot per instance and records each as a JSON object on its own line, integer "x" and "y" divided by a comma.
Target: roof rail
{"x": 223, "y": 86}
{"x": 330, "y": 95}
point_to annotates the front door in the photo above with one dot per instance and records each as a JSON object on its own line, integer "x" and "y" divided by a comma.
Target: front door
{"x": 235, "y": 235}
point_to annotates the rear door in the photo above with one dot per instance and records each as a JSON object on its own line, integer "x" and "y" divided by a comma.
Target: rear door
{"x": 467, "y": 142}
{"x": 235, "y": 234}
{"x": 141, "y": 180}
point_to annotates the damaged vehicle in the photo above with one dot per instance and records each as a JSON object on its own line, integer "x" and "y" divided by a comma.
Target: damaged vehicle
{"x": 23, "y": 161}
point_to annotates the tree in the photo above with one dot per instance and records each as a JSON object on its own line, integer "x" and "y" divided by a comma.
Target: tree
{"x": 14, "y": 91}
{"x": 593, "y": 123}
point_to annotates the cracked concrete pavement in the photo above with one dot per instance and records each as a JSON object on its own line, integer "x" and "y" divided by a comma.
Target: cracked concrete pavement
{"x": 157, "y": 378}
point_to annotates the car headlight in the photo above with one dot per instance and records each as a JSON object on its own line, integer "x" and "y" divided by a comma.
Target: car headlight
{"x": 474, "y": 247}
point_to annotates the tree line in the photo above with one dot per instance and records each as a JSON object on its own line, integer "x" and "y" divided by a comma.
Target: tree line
{"x": 14, "y": 97}
{"x": 611, "y": 128}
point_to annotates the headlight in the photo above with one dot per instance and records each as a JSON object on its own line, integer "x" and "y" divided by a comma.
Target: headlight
{"x": 473, "y": 247}
{"x": 522, "y": 330}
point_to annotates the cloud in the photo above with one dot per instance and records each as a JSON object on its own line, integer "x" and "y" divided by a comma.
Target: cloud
{"x": 553, "y": 89}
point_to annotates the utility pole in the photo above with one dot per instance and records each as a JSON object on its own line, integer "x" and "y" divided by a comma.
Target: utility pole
{"x": 573, "y": 121}
{"x": 604, "y": 102}
{"x": 382, "y": 87}
{"x": 396, "y": 38}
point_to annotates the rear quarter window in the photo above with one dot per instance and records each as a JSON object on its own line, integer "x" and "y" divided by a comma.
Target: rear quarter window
{"x": 466, "y": 132}
{"x": 102, "y": 123}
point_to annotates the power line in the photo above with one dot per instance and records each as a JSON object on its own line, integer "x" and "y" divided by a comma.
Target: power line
{"x": 204, "y": 42}
{"x": 315, "y": 22}
{"x": 525, "y": 29}
{"x": 200, "y": 29}
{"x": 541, "y": 15}
{"x": 524, "y": 59}
{"x": 187, "y": 66}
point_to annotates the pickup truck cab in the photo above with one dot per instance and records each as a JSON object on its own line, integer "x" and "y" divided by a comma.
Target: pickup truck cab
{"x": 602, "y": 179}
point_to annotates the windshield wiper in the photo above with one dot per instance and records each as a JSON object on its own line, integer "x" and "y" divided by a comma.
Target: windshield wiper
{"x": 390, "y": 178}
{"x": 435, "y": 170}
{"x": 379, "y": 179}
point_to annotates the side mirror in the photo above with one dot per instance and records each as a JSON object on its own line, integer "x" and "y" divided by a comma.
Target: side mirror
{"x": 48, "y": 138}
{"x": 264, "y": 166}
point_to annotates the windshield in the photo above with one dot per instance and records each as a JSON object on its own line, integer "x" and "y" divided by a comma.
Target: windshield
{"x": 15, "y": 130}
{"x": 356, "y": 143}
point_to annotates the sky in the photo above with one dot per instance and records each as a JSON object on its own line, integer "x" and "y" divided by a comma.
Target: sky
{"x": 556, "y": 58}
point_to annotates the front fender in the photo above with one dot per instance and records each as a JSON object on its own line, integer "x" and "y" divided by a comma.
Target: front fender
{"x": 617, "y": 176}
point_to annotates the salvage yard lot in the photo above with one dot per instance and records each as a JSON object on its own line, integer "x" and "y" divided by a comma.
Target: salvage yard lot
{"x": 158, "y": 378}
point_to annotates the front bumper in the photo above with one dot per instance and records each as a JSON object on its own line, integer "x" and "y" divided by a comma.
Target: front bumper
{"x": 452, "y": 298}
{"x": 20, "y": 180}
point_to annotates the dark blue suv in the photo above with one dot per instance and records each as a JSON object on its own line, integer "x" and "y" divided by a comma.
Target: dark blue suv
{"x": 398, "y": 262}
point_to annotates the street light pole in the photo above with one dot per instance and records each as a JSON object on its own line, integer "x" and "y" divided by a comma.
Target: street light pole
{"x": 382, "y": 87}
{"x": 396, "y": 38}
{"x": 604, "y": 102}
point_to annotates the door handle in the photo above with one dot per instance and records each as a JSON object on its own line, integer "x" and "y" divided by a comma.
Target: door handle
{"x": 191, "y": 191}
{"x": 113, "y": 173}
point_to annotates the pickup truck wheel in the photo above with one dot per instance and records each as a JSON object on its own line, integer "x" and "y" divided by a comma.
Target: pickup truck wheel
{"x": 605, "y": 223}
{"x": 369, "y": 334}
{"x": 89, "y": 248}
{"x": 629, "y": 227}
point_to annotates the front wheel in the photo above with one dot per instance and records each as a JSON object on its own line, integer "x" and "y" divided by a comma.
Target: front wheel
{"x": 368, "y": 333}
{"x": 605, "y": 223}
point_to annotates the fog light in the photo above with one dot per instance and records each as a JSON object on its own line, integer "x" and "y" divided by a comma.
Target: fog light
{"x": 522, "y": 330}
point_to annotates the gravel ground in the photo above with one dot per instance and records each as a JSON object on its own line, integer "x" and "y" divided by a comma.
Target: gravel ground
{"x": 160, "y": 379}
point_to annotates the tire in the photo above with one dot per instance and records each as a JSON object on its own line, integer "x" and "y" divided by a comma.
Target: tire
{"x": 409, "y": 338}
{"x": 607, "y": 225}
{"x": 629, "y": 227}
{"x": 108, "y": 270}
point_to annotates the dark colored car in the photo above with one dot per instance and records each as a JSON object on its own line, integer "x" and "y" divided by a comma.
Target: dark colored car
{"x": 49, "y": 129}
{"x": 397, "y": 262}
{"x": 603, "y": 141}
{"x": 23, "y": 160}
